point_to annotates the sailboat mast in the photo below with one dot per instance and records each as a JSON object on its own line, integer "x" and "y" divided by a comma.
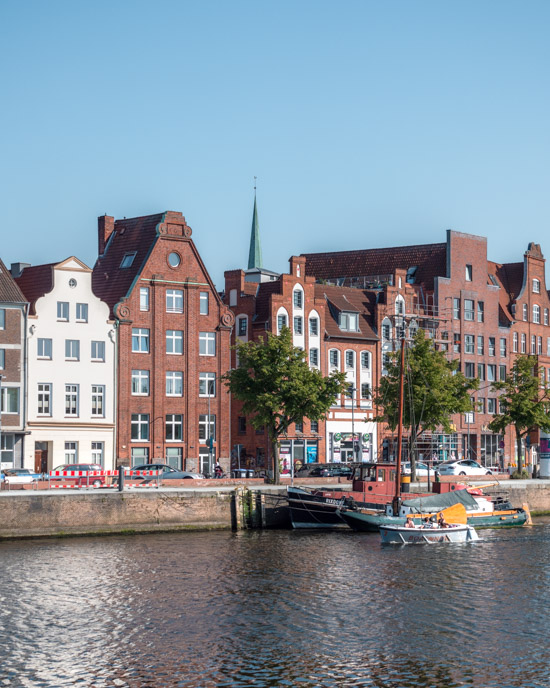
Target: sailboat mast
{"x": 397, "y": 497}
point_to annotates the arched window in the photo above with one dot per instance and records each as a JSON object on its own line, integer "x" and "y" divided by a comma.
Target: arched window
{"x": 242, "y": 326}
{"x": 334, "y": 359}
{"x": 350, "y": 359}
{"x": 282, "y": 319}
{"x": 365, "y": 360}
{"x": 399, "y": 305}
{"x": 298, "y": 297}
{"x": 386, "y": 330}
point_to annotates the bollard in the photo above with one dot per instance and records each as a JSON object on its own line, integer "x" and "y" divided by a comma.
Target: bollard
{"x": 121, "y": 478}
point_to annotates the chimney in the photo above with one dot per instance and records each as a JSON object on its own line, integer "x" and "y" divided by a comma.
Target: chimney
{"x": 17, "y": 268}
{"x": 105, "y": 227}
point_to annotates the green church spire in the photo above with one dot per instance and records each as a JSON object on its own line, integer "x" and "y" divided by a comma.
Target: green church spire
{"x": 255, "y": 253}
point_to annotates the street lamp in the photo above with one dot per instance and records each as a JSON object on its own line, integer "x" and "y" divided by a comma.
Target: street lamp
{"x": 210, "y": 440}
{"x": 351, "y": 393}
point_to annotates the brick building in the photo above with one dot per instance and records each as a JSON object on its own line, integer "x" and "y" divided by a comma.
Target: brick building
{"x": 334, "y": 326}
{"x": 451, "y": 291}
{"x": 173, "y": 336}
{"x": 13, "y": 318}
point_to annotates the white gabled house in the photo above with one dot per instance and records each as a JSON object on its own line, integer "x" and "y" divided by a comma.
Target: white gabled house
{"x": 70, "y": 367}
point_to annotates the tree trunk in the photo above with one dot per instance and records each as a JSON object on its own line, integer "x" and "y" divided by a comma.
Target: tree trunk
{"x": 275, "y": 458}
{"x": 520, "y": 457}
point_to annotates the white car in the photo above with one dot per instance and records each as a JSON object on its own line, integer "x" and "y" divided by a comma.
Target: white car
{"x": 19, "y": 476}
{"x": 463, "y": 467}
{"x": 421, "y": 469}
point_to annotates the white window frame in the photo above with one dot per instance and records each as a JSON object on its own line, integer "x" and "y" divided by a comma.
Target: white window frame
{"x": 242, "y": 326}
{"x": 536, "y": 286}
{"x": 174, "y": 300}
{"x": 349, "y": 358}
{"x": 314, "y": 326}
{"x": 282, "y": 321}
{"x": 98, "y": 452}
{"x": 2, "y": 318}
{"x": 349, "y": 321}
{"x": 98, "y": 401}
{"x": 71, "y": 452}
{"x": 63, "y": 311}
{"x": 207, "y": 343}
{"x": 298, "y": 299}
{"x": 140, "y": 379}
{"x": 72, "y": 400}
{"x": 72, "y": 349}
{"x": 140, "y": 340}
{"x": 175, "y": 422}
{"x": 174, "y": 342}
{"x": 298, "y": 325}
{"x": 2, "y": 359}
{"x": 144, "y": 299}
{"x": 43, "y": 345}
{"x": 97, "y": 350}
{"x": 207, "y": 384}
{"x": 365, "y": 360}
{"x": 314, "y": 357}
{"x": 536, "y": 313}
{"x": 82, "y": 312}
{"x": 44, "y": 404}
{"x": 204, "y": 303}
{"x": 173, "y": 379}
{"x": 140, "y": 423}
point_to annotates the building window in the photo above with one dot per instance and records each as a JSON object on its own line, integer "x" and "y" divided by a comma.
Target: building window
{"x": 399, "y": 306}
{"x": 365, "y": 390}
{"x": 241, "y": 425}
{"x": 365, "y": 360}
{"x": 480, "y": 346}
{"x": 63, "y": 311}
{"x": 491, "y": 373}
{"x": 140, "y": 427}
{"x": 350, "y": 360}
{"x": 81, "y": 312}
{"x": 173, "y": 457}
{"x": 174, "y": 260}
{"x": 386, "y": 332}
{"x": 525, "y": 312}
{"x": 469, "y": 273}
{"x": 334, "y": 358}
{"x": 481, "y": 405}
{"x": 314, "y": 425}
{"x": 174, "y": 301}
{"x": 299, "y": 427}
{"x": 174, "y": 342}
{"x": 127, "y": 260}
{"x": 492, "y": 346}
{"x": 140, "y": 340}
{"x": 481, "y": 371}
{"x": 313, "y": 327}
{"x": 44, "y": 348}
{"x": 533, "y": 344}
{"x": 469, "y": 344}
{"x": 515, "y": 342}
{"x": 9, "y": 400}
{"x": 140, "y": 455}
{"x": 71, "y": 452}
{"x": 97, "y": 452}
{"x": 72, "y": 349}
{"x": 144, "y": 298}
{"x": 203, "y": 427}
{"x": 456, "y": 309}
{"x": 480, "y": 311}
{"x": 298, "y": 298}
{"x": 98, "y": 351}
{"x": 468, "y": 309}
{"x": 298, "y": 324}
{"x": 207, "y": 343}
{"x": 469, "y": 370}
{"x": 546, "y": 316}
{"x": 523, "y": 343}
{"x": 207, "y": 384}
{"x": 2, "y": 359}
{"x": 71, "y": 400}
{"x": 174, "y": 427}
{"x": 536, "y": 286}
{"x": 491, "y": 405}
{"x": 44, "y": 399}
{"x": 140, "y": 383}
{"x": 203, "y": 303}
{"x": 314, "y": 357}
{"x": 536, "y": 314}
{"x": 349, "y": 322}
{"x": 174, "y": 383}
{"x": 3, "y": 318}
{"x": 242, "y": 327}
{"x": 539, "y": 345}
{"x": 502, "y": 346}
{"x": 98, "y": 400}
{"x": 502, "y": 373}
{"x": 456, "y": 342}
{"x": 548, "y": 346}
{"x": 281, "y": 322}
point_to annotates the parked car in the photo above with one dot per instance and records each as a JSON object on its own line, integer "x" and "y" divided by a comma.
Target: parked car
{"x": 19, "y": 476}
{"x": 421, "y": 469}
{"x": 462, "y": 467}
{"x": 325, "y": 470}
{"x": 168, "y": 472}
{"x": 92, "y": 480}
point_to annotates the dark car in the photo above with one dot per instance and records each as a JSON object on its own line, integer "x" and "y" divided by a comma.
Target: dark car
{"x": 167, "y": 472}
{"x": 326, "y": 470}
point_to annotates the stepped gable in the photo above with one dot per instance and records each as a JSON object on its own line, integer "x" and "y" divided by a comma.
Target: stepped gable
{"x": 9, "y": 290}
{"x": 263, "y": 300}
{"x": 111, "y": 283}
{"x": 347, "y": 299}
{"x": 35, "y": 281}
{"x": 429, "y": 259}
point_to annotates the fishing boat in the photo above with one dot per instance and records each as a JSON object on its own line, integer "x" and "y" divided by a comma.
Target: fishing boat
{"x": 399, "y": 535}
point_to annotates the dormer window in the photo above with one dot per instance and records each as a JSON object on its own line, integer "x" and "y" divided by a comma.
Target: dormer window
{"x": 349, "y": 322}
{"x": 128, "y": 259}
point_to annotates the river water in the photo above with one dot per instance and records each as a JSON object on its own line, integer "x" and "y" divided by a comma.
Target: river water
{"x": 276, "y": 608}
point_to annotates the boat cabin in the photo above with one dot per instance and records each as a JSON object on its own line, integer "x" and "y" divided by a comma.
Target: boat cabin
{"x": 374, "y": 478}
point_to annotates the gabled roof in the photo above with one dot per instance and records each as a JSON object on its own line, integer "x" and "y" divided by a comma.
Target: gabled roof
{"x": 429, "y": 259}
{"x": 134, "y": 235}
{"x": 9, "y": 290}
{"x": 263, "y": 298}
{"x": 351, "y": 300}
{"x": 35, "y": 281}
{"x": 505, "y": 278}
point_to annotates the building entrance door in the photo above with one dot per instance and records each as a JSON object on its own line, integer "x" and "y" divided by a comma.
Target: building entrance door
{"x": 40, "y": 458}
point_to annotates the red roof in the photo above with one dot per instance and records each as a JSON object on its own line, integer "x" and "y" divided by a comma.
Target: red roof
{"x": 9, "y": 291}
{"x": 35, "y": 281}
{"x": 351, "y": 300}
{"x": 429, "y": 259}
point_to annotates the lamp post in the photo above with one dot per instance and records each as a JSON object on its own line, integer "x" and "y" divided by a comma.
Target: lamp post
{"x": 351, "y": 393}
{"x": 210, "y": 439}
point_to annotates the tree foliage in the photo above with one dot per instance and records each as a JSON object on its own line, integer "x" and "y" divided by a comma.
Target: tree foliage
{"x": 434, "y": 389}
{"x": 523, "y": 402}
{"x": 277, "y": 387}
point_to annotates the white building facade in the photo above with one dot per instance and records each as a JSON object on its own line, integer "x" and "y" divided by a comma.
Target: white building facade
{"x": 70, "y": 368}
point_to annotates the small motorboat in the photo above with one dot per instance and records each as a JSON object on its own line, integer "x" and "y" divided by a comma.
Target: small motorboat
{"x": 401, "y": 535}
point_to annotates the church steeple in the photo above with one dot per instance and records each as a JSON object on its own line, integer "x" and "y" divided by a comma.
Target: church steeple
{"x": 255, "y": 253}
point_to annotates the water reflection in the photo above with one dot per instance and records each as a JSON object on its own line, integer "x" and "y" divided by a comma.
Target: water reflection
{"x": 275, "y": 609}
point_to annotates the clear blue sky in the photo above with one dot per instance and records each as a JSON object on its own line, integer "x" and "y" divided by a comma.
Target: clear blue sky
{"x": 367, "y": 123}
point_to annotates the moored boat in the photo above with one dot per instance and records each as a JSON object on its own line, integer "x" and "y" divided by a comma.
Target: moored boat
{"x": 400, "y": 535}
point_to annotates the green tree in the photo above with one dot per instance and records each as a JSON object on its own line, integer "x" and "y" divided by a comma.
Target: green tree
{"x": 277, "y": 387}
{"x": 523, "y": 403}
{"x": 434, "y": 389}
